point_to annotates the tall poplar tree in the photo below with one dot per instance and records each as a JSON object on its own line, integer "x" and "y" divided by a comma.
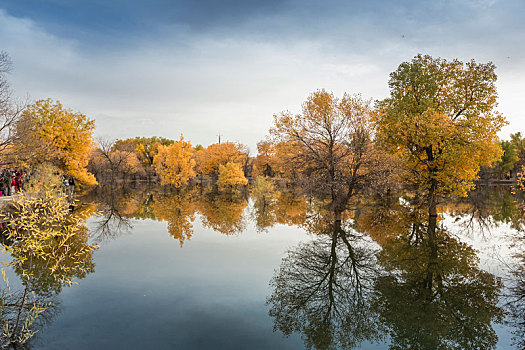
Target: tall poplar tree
{"x": 440, "y": 119}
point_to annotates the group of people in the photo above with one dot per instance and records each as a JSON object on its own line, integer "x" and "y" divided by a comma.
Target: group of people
{"x": 12, "y": 180}
{"x": 69, "y": 184}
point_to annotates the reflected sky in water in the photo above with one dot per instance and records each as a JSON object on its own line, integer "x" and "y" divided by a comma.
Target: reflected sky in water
{"x": 147, "y": 292}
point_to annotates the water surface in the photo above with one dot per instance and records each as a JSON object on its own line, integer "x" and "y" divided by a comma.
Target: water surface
{"x": 192, "y": 270}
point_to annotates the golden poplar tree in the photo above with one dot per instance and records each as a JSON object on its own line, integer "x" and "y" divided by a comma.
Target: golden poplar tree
{"x": 230, "y": 176}
{"x": 263, "y": 163}
{"x": 48, "y": 132}
{"x": 210, "y": 159}
{"x": 175, "y": 164}
{"x": 329, "y": 145}
{"x": 440, "y": 119}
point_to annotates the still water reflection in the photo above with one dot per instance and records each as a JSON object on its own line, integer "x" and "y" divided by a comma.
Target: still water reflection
{"x": 197, "y": 270}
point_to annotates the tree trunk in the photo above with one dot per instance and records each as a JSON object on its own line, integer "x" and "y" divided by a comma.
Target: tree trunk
{"x": 432, "y": 238}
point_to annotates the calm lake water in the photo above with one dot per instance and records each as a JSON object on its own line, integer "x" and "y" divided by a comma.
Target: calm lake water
{"x": 192, "y": 270}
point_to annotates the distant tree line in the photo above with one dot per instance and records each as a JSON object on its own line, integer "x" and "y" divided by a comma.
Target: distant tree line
{"x": 512, "y": 161}
{"x": 435, "y": 131}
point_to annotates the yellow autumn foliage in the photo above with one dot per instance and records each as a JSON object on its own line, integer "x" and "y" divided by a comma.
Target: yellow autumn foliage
{"x": 174, "y": 163}
{"x": 230, "y": 176}
{"x": 263, "y": 164}
{"x": 441, "y": 123}
{"x": 223, "y": 214}
{"x": 50, "y": 245}
{"x": 291, "y": 209}
{"x": 178, "y": 210}
{"x": 210, "y": 159}
{"x": 49, "y": 132}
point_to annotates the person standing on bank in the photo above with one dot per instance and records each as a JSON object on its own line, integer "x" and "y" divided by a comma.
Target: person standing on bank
{"x": 71, "y": 185}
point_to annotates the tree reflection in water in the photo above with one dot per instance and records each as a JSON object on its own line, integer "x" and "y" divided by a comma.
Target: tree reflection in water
{"x": 323, "y": 289}
{"x": 115, "y": 207}
{"x": 436, "y": 301}
{"x": 487, "y": 208}
{"x": 32, "y": 310}
{"x": 390, "y": 272}
{"x": 515, "y": 294}
{"x": 338, "y": 290}
{"x": 178, "y": 210}
{"x": 277, "y": 207}
{"x": 516, "y": 303}
{"x": 500, "y": 206}
{"x": 49, "y": 249}
{"x": 223, "y": 213}
{"x": 434, "y": 295}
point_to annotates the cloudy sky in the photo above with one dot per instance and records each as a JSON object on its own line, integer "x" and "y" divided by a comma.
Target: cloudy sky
{"x": 204, "y": 68}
